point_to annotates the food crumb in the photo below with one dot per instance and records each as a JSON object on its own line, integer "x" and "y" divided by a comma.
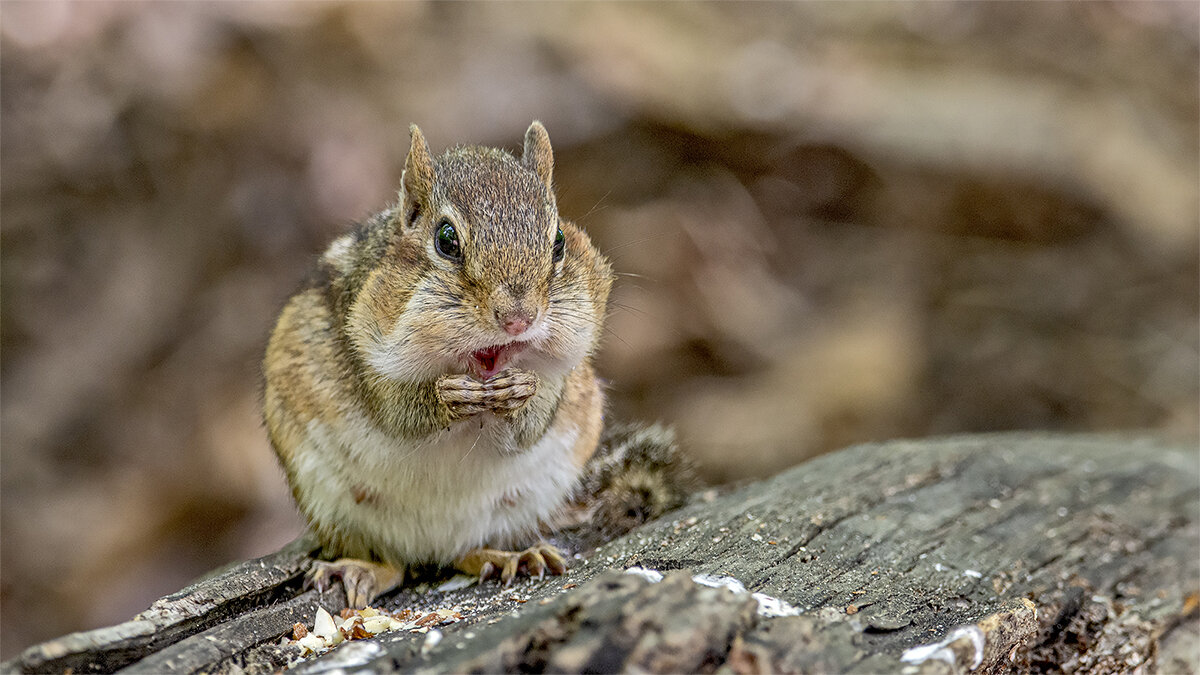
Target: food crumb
{"x": 359, "y": 624}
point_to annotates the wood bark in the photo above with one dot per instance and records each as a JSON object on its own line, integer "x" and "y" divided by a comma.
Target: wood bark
{"x": 992, "y": 553}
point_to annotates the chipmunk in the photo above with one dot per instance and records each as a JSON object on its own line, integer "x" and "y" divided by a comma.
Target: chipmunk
{"x": 430, "y": 392}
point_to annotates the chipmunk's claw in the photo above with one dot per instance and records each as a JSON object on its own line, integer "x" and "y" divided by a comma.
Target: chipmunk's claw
{"x": 363, "y": 580}
{"x": 487, "y": 571}
{"x": 506, "y": 566}
{"x": 555, "y": 562}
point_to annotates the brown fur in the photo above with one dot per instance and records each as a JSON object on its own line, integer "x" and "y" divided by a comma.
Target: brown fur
{"x": 386, "y": 279}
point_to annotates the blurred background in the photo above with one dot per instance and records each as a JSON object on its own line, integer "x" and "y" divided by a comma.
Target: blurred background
{"x": 846, "y": 222}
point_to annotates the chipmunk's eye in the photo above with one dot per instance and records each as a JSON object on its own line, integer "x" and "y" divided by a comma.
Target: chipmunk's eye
{"x": 560, "y": 243}
{"x": 446, "y": 242}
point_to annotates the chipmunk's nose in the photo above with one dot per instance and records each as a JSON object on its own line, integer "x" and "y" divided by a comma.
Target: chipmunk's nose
{"x": 514, "y": 322}
{"x": 514, "y": 308}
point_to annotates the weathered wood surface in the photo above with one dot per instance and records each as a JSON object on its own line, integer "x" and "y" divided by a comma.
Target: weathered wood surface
{"x": 224, "y": 596}
{"x": 985, "y": 553}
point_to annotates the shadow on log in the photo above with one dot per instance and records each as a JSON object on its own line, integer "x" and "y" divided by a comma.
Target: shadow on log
{"x": 996, "y": 553}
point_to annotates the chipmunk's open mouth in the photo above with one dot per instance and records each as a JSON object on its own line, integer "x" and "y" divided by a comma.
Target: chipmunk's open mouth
{"x": 488, "y": 361}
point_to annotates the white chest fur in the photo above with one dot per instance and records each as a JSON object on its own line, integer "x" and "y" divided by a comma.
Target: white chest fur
{"x": 433, "y": 500}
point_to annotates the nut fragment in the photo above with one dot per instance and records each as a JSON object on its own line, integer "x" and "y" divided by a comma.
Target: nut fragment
{"x": 311, "y": 644}
{"x": 352, "y": 629}
{"x": 378, "y": 624}
{"x": 323, "y": 626}
{"x": 428, "y": 620}
{"x": 359, "y": 624}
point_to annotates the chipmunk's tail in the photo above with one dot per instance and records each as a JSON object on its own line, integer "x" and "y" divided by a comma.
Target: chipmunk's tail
{"x": 636, "y": 475}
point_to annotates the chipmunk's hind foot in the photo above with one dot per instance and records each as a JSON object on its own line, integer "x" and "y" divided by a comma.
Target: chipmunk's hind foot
{"x": 363, "y": 580}
{"x": 535, "y": 561}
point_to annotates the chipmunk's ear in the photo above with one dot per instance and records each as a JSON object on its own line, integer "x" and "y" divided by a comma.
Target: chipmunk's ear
{"x": 538, "y": 154}
{"x": 418, "y": 178}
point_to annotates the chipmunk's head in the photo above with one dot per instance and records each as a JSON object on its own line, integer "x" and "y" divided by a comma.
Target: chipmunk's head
{"x": 483, "y": 274}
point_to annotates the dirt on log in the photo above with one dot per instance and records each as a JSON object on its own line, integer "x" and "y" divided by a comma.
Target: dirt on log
{"x": 994, "y": 553}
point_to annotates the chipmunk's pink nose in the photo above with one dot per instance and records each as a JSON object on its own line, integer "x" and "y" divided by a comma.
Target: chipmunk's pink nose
{"x": 514, "y": 324}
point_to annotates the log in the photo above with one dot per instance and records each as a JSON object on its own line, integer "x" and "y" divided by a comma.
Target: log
{"x": 986, "y": 553}
{"x": 224, "y": 596}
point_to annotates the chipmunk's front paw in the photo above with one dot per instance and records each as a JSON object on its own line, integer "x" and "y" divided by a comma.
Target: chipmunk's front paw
{"x": 503, "y": 394}
{"x": 535, "y": 561}
{"x": 461, "y": 395}
{"x": 509, "y": 390}
{"x": 364, "y": 581}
